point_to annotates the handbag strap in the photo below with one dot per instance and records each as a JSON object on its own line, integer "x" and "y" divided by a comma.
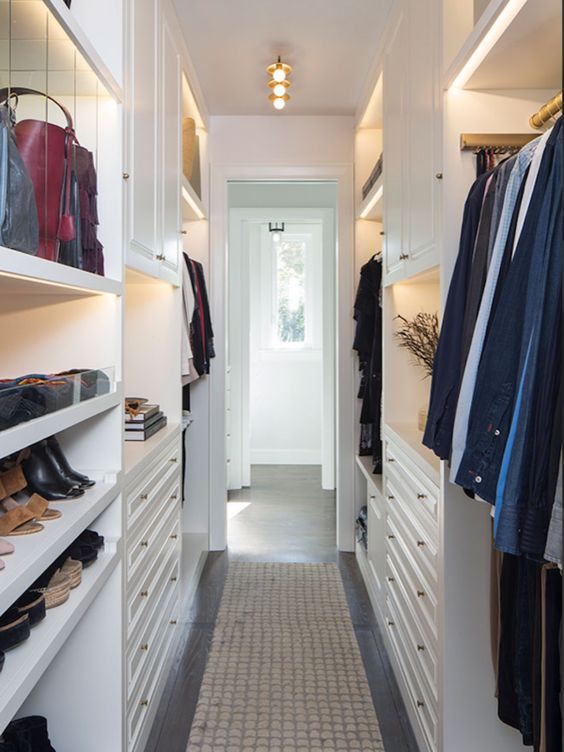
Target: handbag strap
{"x": 22, "y": 90}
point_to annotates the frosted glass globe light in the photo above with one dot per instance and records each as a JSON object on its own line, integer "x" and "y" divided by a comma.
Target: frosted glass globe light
{"x": 279, "y": 90}
{"x": 279, "y": 103}
{"x": 276, "y": 237}
{"x": 279, "y": 74}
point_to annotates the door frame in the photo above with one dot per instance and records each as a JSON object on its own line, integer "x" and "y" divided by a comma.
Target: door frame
{"x": 342, "y": 176}
{"x": 241, "y": 222}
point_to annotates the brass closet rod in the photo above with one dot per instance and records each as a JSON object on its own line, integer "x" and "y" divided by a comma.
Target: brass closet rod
{"x": 546, "y": 112}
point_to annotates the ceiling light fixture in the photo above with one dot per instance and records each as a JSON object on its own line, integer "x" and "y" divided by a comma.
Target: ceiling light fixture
{"x": 279, "y": 83}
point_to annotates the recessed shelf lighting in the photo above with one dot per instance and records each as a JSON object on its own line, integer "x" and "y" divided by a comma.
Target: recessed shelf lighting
{"x": 192, "y": 203}
{"x": 372, "y": 203}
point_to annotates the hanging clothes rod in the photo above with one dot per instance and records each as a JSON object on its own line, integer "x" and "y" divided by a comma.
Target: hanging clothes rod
{"x": 497, "y": 141}
{"x": 546, "y": 112}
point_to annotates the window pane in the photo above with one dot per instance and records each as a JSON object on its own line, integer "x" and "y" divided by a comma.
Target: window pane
{"x": 290, "y": 291}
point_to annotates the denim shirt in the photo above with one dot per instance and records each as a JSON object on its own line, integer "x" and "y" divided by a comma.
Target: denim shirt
{"x": 502, "y": 366}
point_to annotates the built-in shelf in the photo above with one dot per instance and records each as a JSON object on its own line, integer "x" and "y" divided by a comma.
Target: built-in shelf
{"x": 22, "y": 274}
{"x": 507, "y": 37}
{"x": 140, "y": 453}
{"x": 35, "y": 553}
{"x": 194, "y": 552}
{"x": 26, "y": 434}
{"x": 409, "y": 438}
{"x": 192, "y": 206}
{"x": 371, "y": 207}
{"x": 365, "y": 464}
{"x": 26, "y": 663}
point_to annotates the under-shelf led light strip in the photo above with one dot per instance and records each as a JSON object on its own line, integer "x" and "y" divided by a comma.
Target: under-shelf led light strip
{"x": 497, "y": 29}
{"x": 372, "y": 203}
{"x": 190, "y": 200}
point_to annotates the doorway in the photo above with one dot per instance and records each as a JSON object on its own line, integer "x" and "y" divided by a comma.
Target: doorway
{"x": 280, "y": 375}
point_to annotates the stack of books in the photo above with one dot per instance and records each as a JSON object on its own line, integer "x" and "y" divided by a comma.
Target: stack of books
{"x": 144, "y": 421}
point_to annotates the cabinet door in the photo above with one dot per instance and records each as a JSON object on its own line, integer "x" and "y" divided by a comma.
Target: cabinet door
{"x": 395, "y": 147}
{"x": 169, "y": 203}
{"x": 424, "y": 132}
{"x": 377, "y": 542}
{"x": 142, "y": 135}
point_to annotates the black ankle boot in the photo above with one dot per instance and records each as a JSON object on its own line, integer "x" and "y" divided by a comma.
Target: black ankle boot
{"x": 44, "y": 477}
{"x": 58, "y": 456}
{"x": 29, "y": 734}
{"x": 6, "y": 746}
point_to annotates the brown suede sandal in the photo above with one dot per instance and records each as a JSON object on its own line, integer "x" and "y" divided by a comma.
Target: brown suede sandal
{"x": 18, "y": 521}
{"x": 12, "y": 481}
{"x": 40, "y": 507}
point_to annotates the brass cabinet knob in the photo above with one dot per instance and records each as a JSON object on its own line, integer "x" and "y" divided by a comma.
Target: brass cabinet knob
{"x": 403, "y": 256}
{"x": 144, "y": 647}
{"x": 391, "y": 579}
{"x": 391, "y": 537}
{"x": 173, "y": 622}
{"x": 173, "y": 579}
{"x": 144, "y": 594}
{"x": 420, "y": 593}
{"x": 420, "y": 544}
{"x": 174, "y": 497}
{"x": 420, "y": 704}
{"x": 439, "y": 175}
{"x": 391, "y": 459}
{"x": 144, "y": 703}
{"x": 144, "y": 544}
{"x": 173, "y": 459}
{"x": 125, "y": 175}
{"x": 382, "y": 232}
{"x": 184, "y": 232}
{"x": 421, "y": 496}
{"x": 144, "y": 497}
{"x": 160, "y": 257}
{"x": 390, "y": 623}
{"x": 420, "y": 648}
{"x": 391, "y": 497}
{"x": 174, "y": 536}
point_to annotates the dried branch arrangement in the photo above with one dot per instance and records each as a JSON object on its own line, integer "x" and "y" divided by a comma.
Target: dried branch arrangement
{"x": 420, "y": 338}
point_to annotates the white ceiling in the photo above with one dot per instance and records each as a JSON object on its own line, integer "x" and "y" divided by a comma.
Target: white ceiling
{"x": 331, "y": 45}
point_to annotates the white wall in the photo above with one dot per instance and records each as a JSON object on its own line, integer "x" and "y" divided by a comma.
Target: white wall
{"x": 286, "y": 387}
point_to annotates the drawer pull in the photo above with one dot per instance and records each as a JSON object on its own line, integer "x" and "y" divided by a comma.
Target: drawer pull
{"x": 420, "y": 544}
{"x": 174, "y": 536}
{"x": 173, "y": 579}
{"x": 420, "y": 593}
{"x": 144, "y": 544}
{"x": 391, "y": 579}
{"x": 403, "y": 256}
{"x": 144, "y": 594}
{"x": 391, "y": 498}
{"x": 390, "y": 623}
{"x": 421, "y": 496}
{"x": 144, "y": 647}
{"x": 391, "y": 537}
{"x": 173, "y": 459}
{"x": 420, "y": 704}
{"x": 173, "y": 622}
{"x": 420, "y": 648}
{"x": 144, "y": 703}
{"x": 372, "y": 498}
{"x": 174, "y": 497}
{"x": 391, "y": 459}
{"x": 144, "y": 497}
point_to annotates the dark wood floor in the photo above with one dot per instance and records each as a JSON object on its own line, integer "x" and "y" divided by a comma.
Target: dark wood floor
{"x": 282, "y": 540}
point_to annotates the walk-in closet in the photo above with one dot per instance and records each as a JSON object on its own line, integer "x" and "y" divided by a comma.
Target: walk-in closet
{"x": 281, "y": 407}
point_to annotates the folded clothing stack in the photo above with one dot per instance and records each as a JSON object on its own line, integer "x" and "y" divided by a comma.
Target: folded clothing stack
{"x": 362, "y": 527}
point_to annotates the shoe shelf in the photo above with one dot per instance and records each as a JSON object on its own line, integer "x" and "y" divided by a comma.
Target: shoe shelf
{"x": 35, "y": 552}
{"x": 23, "y": 274}
{"x": 140, "y": 453}
{"x": 26, "y": 434}
{"x": 26, "y": 663}
{"x": 365, "y": 465}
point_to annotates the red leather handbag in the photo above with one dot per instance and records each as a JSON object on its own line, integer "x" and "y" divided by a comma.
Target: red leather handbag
{"x": 46, "y": 152}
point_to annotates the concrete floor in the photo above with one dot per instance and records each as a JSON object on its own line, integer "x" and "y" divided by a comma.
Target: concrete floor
{"x": 284, "y": 516}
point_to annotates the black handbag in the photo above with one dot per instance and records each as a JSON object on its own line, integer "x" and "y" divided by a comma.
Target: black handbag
{"x": 19, "y": 226}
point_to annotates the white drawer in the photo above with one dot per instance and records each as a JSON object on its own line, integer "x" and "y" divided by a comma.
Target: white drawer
{"x": 147, "y": 493}
{"x": 146, "y": 698}
{"x": 140, "y": 652}
{"x": 418, "y": 591}
{"x": 424, "y": 707}
{"x": 377, "y": 546}
{"x": 142, "y": 545}
{"x": 418, "y": 490}
{"x": 422, "y": 651}
{"x": 164, "y": 569}
{"x": 415, "y": 536}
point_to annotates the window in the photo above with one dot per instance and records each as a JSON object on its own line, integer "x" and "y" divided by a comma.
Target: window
{"x": 290, "y": 292}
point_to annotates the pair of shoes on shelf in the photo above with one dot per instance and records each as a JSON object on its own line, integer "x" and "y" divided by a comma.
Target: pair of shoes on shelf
{"x": 16, "y": 623}
{"x": 29, "y": 734}
{"x": 50, "y": 474}
{"x": 21, "y": 510}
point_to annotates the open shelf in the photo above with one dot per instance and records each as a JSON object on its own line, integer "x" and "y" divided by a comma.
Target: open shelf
{"x": 365, "y": 464}
{"x": 34, "y": 553}
{"x": 26, "y": 434}
{"x": 23, "y": 274}
{"x": 192, "y": 206}
{"x": 26, "y": 663}
{"x": 138, "y": 453}
{"x": 534, "y": 33}
{"x": 372, "y": 206}
{"x": 409, "y": 438}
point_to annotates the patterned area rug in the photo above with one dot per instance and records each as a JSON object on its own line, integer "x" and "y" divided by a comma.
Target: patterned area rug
{"x": 284, "y": 672}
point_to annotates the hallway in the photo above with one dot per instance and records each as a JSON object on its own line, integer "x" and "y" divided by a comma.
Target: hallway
{"x": 288, "y": 519}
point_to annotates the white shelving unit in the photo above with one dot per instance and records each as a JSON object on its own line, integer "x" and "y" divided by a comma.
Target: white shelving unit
{"x": 138, "y": 454}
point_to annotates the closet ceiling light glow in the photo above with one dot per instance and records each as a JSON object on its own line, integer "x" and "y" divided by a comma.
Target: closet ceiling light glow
{"x": 279, "y": 102}
{"x": 497, "y": 29}
{"x": 371, "y": 204}
{"x": 279, "y": 89}
{"x": 189, "y": 200}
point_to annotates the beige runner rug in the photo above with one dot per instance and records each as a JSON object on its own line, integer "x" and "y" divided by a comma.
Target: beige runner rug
{"x": 284, "y": 672}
